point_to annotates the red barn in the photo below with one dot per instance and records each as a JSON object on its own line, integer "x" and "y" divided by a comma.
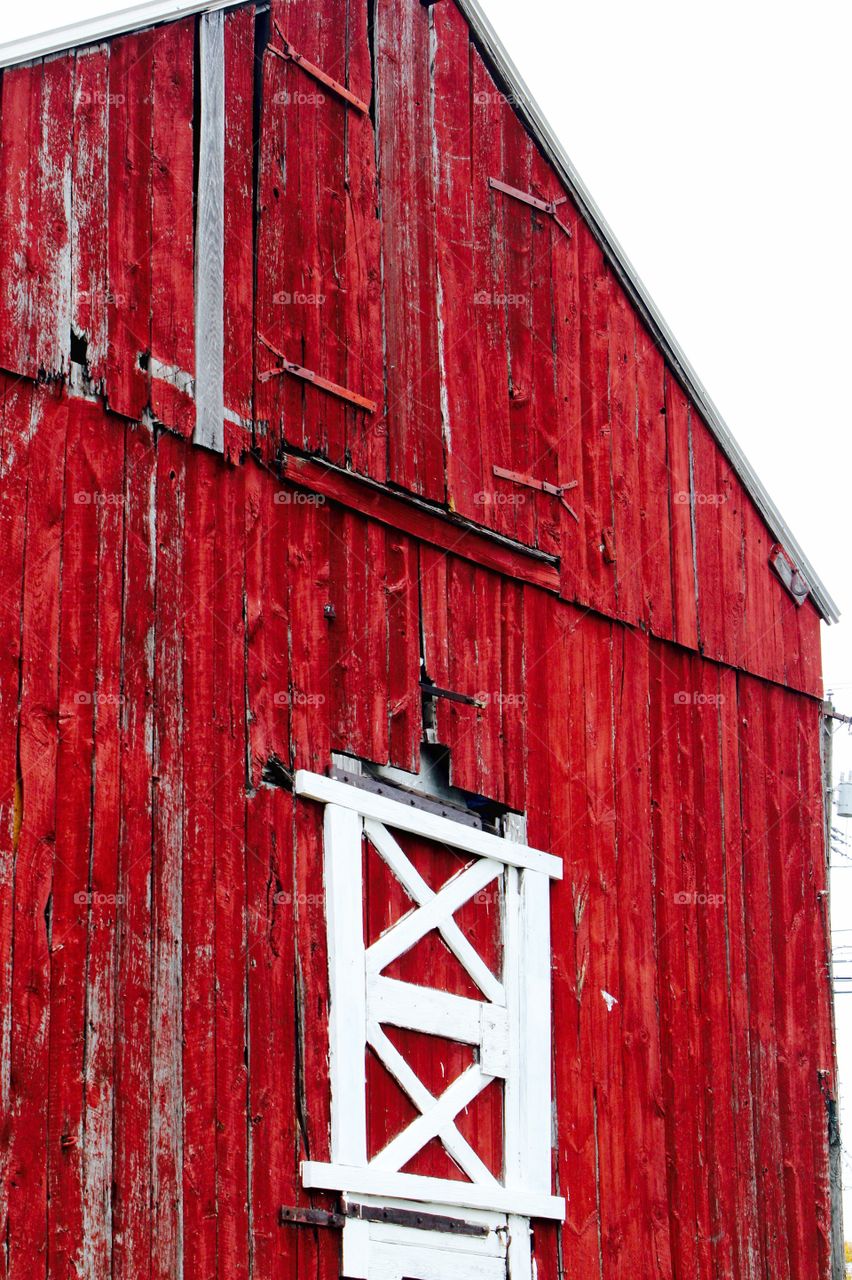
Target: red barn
{"x": 411, "y": 809}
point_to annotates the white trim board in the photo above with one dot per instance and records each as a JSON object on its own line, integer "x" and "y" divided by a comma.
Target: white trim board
{"x": 392, "y": 813}
{"x": 142, "y": 15}
{"x": 432, "y": 1191}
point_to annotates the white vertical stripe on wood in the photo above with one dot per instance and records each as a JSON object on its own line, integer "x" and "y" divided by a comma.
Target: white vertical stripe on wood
{"x": 210, "y": 240}
{"x": 347, "y": 1030}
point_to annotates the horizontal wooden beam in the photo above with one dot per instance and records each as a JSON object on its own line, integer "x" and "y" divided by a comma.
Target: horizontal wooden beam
{"x": 435, "y": 1191}
{"x": 440, "y": 528}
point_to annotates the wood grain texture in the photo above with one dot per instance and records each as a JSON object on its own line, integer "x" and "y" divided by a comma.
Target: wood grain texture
{"x": 182, "y": 632}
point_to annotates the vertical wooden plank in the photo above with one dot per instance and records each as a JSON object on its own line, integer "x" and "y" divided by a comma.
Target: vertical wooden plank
{"x": 230, "y": 877}
{"x": 548, "y": 250}
{"x": 366, "y": 435}
{"x": 403, "y": 612}
{"x": 89, "y": 300}
{"x": 763, "y": 634}
{"x": 318, "y": 300}
{"x": 654, "y": 489}
{"x": 707, "y": 804}
{"x": 643, "y": 1220}
{"x": 490, "y": 288}
{"x": 275, "y": 1099}
{"x": 358, "y": 637}
{"x": 310, "y": 645}
{"x": 462, "y": 719}
{"x": 605, "y": 1018}
{"x": 267, "y": 620}
{"x": 278, "y": 401}
{"x": 172, "y": 190}
{"x": 210, "y": 238}
{"x": 756, "y": 788}
{"x": 513, "y": 695}
{"x": 107, "y": 448}
{"x": 409, "y": 252}
{"x": 167, "y": 880}
{"x": 625, "y": 457}
{"x": 313, "y": 1253}
{"x": 691, "y": 715}
{"x": 707, "y": 499}
{"x": 129, "y": 224}
{"x": 595, "y": 284}
{"x": 817, "y": 1028}
{"x": 26, "y": 1236}
{"x": 459, "y": 301}
{"x": 488, "y": 681}
{"x": 52, "y": 242}
{"x": 668, "y": 682}
{"x": 569, "y": 409}
{"x": 197, "y": 571}
{"x": 794, "y": 974}
{"x": 16, "y": 409}
{"x": 515, "y": 514}
{"x": 132, "y": 1124}
{"x": 747, "y": 1247}
{"x": 20, "y": 123}
{"x": 74, "y": 908}
{"x": 683, "y": 550}
{"x": 731, "y": 564}
{"x": 238, "y": 250}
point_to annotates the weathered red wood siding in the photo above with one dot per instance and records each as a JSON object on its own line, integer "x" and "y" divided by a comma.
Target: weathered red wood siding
{"x": 650, "y": 691}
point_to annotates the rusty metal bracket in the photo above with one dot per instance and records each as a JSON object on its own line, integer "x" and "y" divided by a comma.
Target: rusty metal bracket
{"x": 307, "y": 375}
{"x": 303, "y": 1216}
{"x": 546, "y": 206}
{"x": 543, "y": 486}
{"x": 289, "y": 54}
{"x": 435, "y": 691}
{"x": 789, "y": 574}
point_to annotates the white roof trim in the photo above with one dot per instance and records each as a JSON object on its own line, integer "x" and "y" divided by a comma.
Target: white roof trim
{"x": 102, "y": 26}
{"x": 142, "y": 15}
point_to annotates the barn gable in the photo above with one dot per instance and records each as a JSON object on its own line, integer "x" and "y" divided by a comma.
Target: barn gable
{"x": 336, "y": 433}
{"x": 415, "y": 288}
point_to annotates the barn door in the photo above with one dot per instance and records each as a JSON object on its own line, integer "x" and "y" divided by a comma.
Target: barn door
{"x": 489, "y": 999}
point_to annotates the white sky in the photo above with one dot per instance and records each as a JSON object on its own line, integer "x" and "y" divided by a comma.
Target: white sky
{"x": 716, "y": 140}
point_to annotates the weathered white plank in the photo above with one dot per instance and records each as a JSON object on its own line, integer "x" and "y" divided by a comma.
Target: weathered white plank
{"x": 420, "y": 1262}
{"x": 431, "y": 826}
{"x": 534, "y": 1032}
{"x": 347, "y": 1012}
{"x": 210, "y": 240}
{"x": 437, "y": 1013}
{"x": 437, "y": 1191}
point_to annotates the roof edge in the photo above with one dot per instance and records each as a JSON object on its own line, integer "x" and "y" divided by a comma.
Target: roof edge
{"x": 103, "y": 27}
{"x": 92, "y": 30}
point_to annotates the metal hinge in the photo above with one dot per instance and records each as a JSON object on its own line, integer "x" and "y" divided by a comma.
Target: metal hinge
{"x": 546, "y": 206}
{"x": 543, "y": 486}
{"x": 289, "y": 54}
{"x": 307, "y": 375}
